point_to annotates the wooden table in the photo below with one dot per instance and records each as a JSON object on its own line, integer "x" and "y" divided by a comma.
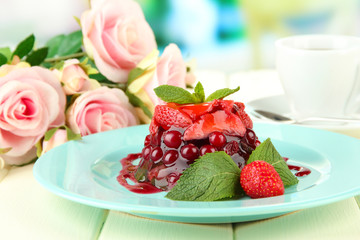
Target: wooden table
{"x": 28, "y": 211}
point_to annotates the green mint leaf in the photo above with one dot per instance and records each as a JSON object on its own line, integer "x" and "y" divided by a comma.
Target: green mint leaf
{"x": 37, "y": 57}
{"x": 136, "y": 102}
{"x": 267, "y": 152}
{"x": 3, "y": 59}
{"x": 221, "y": 93}
{"x": 6, "y": 52}
{"x": 70, "y": 135}
{"x": 174, "y": 94}
{"x": 50, "y": 133}
{"x": 212, "y": 177}
{"x": 53, "y": 44}
{"x": 134, "y": 74}
{"x": 70, "y": 44}
{"x": 24, "y": 47}
{"x": 5, "y": 150}
{"x": 199, "y": 92}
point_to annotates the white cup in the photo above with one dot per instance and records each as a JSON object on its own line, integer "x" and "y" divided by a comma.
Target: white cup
{"x": 320, "y": 74}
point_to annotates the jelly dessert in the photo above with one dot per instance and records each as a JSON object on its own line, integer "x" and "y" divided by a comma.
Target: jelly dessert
{"x": 205, "y": 143}
{"x": 181, "y": 133}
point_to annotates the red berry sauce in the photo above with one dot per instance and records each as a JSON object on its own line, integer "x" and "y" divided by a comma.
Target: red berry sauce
{"x": 300, "y": 171}
{"x": 128, "y": 171}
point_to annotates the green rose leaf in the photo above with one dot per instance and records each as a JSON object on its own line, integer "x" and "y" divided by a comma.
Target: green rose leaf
{"x": 6, "y": 52}
{"x": 70, "y": 44}
{"x": 97, "y": 76}
{"x": 53, "y": 44}
{"x": 212, "y": 177}
{"x": 174, "y": 94}
{"x": 267, "y": 152}
{"x": 24, "y": 47}
{"x": 134, "y": 74}
{"x": 3, "y": 59}
{"x": 221, "y": 93}
{"x": 50, "y": 133}
{"x": 70, "y": 135}
{"x": 38, "y": 146}
{"x": 136, "y": 102}
{"x": 5, "y": 150}
{"x": 77, "y": 20}
{"x": 37, "y": 57}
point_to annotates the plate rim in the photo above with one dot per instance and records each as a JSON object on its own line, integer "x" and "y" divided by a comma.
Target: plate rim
{"x": 176, "y": 212}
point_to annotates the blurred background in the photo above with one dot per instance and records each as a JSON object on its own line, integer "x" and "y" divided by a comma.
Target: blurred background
{"x": 225, "y": 35}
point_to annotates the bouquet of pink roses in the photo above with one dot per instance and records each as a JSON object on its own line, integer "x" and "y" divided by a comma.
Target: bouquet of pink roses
{"x": 96, "y": 79}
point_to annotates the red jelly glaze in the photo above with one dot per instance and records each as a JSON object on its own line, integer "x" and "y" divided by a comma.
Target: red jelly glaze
{"x": 166, "y": 154}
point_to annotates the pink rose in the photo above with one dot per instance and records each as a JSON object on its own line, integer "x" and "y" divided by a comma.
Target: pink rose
{"x": 6, "y": 68}
{"x": 57, "y": 139}
{"x": 74, "y": 78}
{"x": 117, "y": 36}
{"x": 101, "y": 110}
{"x": 170, "y": 70}
{"x": 32, "y": 101}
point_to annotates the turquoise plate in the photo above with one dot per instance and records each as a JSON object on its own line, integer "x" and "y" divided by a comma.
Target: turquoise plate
{"x": 85, "y": 171}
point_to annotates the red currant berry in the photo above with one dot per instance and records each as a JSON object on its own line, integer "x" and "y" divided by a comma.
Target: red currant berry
{"x": 172, "y": 178}
{"x": 217, "y": 139}
{"x": 156, "y": 138}
{"x": 146, "y": 152}
{"x": 170, "y": 157}
{"x": 189, "y": 152}
{"x": 207, "y": 149}
{"x": 231, "y": 148}
{"x": 156, "y": 154}
{"x": 250, "y": 137}
{"x": 147, "y": 140}
{"x": 172, "y": 139}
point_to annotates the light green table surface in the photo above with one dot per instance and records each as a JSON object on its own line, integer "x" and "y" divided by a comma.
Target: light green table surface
{"x": 28, "y": 211}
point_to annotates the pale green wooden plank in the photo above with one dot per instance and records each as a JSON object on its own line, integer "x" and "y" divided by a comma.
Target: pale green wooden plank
{"x": 124, "y": 226}
{"x": 339, "y": 220}
{"x": 28, "y": 211}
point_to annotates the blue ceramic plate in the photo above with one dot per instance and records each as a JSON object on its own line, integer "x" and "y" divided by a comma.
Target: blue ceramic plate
{"x": 85, "y": 171}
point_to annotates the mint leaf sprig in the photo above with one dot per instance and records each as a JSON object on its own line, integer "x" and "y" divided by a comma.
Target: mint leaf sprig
{"x": 213, "y": 176}
{"x": 169, "y": 93}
